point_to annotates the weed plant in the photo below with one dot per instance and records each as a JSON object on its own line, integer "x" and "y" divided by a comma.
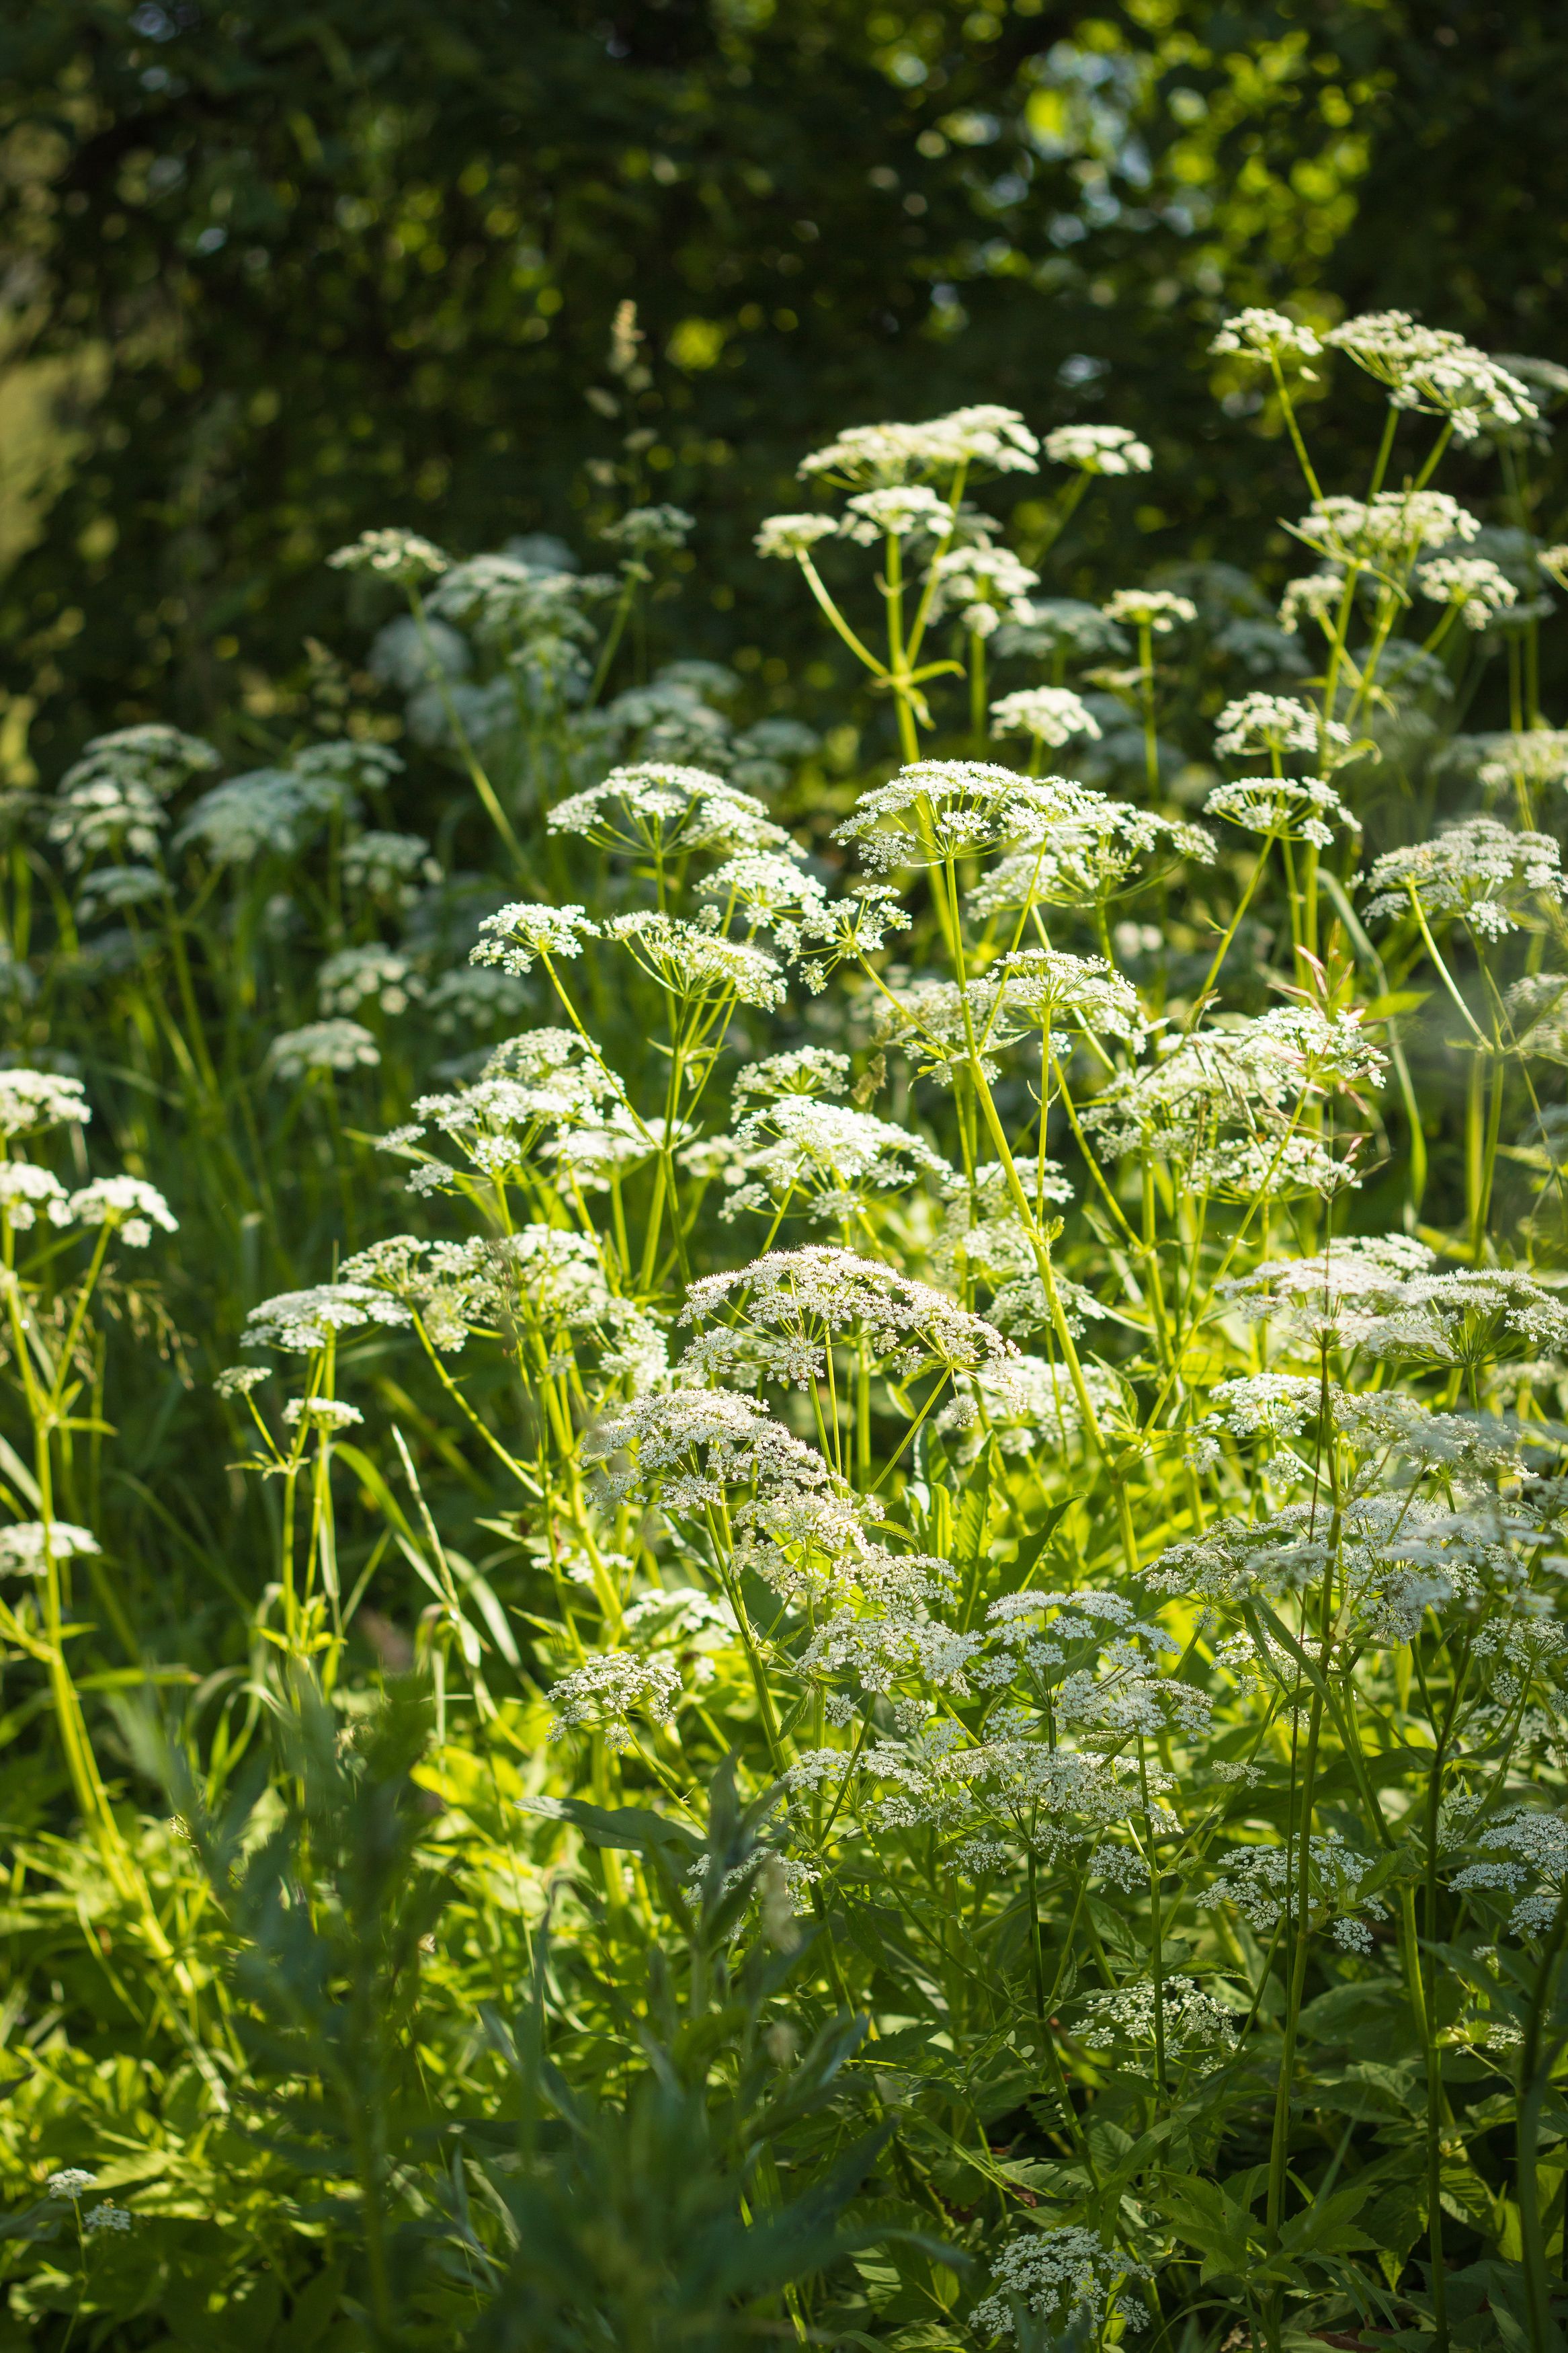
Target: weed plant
{"x": 784, "y": 1526}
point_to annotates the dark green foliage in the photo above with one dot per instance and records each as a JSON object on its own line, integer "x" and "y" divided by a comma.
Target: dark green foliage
{"x": 359, "y": 262}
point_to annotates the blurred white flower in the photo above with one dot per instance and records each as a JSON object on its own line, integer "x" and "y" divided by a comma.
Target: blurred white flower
{"x": 1099, "y": 450}
{"x": 334, "y": 1045}
{"x": 400, "y": 556}
{"x": 26, "y": 1547}
{"x": 1256, "y": 334}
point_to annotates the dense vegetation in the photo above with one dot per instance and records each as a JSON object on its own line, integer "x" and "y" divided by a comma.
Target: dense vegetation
{"x": 783, "y": 1529}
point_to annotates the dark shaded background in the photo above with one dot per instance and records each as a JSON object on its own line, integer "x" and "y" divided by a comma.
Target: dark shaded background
{"x": 273, "y": 274}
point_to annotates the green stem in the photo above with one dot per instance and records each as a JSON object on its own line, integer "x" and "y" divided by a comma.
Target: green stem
{"x": 1537, "y": 2058}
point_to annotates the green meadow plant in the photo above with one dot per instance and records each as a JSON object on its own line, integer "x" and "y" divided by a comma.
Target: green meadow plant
{"x": 785, "y": 1519}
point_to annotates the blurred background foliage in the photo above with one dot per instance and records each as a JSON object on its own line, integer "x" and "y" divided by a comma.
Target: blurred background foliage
{"x": 273, "y": 274}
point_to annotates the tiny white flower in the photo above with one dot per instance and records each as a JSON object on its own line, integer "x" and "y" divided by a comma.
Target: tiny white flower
{"x": 1436, "y": 371}
{"x": 303, "y": 1320}
{"x": 1390, "y": 531}
{"x": 649, "y": 531}
{"x": 375, "y": 975}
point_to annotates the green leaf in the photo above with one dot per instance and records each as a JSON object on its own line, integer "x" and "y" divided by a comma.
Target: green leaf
{"x": 636, "y": 1828}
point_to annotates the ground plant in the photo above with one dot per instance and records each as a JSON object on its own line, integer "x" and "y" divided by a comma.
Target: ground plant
{"x": 785, "y": 1513}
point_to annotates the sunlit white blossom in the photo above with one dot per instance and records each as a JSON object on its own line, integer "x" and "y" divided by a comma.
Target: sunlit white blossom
{"x": 1433, "y": 370}
{"x": 793, "y": 534}
{"x": 1099, "y": 450}
{"x": 519, "y": 933}
{"x": 1475, "y": 585}
{"x": 1272, "y": 723}
{"x": 1290, "y": 808}
{"x": 27, "y": 1193}
{"x": 660, "y": 808}
{"x": 300, "y": 1321}
{"x": 394, "y": 555}
{"x": 980, "y": 438}
{"x": 1259, "y": 335}
{"x": 1051, "y": 714}
{"x": 1479, "y": 870}
{"x": 1156, "y": 610}
{"x": 26, "y": 1547}
{"x": 125, "y": 1203}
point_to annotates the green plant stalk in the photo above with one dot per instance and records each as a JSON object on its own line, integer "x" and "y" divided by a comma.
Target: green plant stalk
{"x": 1280, "y": 2144}
{"x": 1538, "y": 2056}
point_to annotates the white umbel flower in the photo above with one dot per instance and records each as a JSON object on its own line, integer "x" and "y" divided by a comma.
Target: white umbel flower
{"x": 1290, "y": 808}
{"x": 70, "y": 2183}
{"x": 518, "y": 933}
{"x": 896, "y": 511}
{"x": 1479, "y": 587}
{"x": 127, "y": 1205}
{"x": 1099, "y": 450}
{"x": 610, "y": 1689}
{"x": 375, "y": 974}
{"x": 1275, "y": 724}
{"x": 1479, "y": 870}
{"x": 833, "y": 1159}
{"x": 336, "y": 1045}
{"x": 694, "y": 963}
{"x": 323, "y": 1414}
{"x": 1058, "y": 2276}
{"x": 28, "y": 1546}
{"x": 660, "y": 808}
{"x": 1390, "y": 531}
{"x": 1257, "y": 335}
{"x": 299, "y": 1321}
{"x": 982, "y": 437}
{"x": 793, "y": 535}
{"x": 394, "y": 555}
{"x": 1435, "y": 371}
{"x": 1051, "y": 714}
{"x": 1150, "y": 609}
{"x": 27, "y": 1193}
{"x": 937, "y": 809}
{"x": 110, "y": 812}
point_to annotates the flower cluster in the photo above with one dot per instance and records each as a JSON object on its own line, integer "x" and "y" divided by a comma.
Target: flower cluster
{"x": 1479, "y": 871}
